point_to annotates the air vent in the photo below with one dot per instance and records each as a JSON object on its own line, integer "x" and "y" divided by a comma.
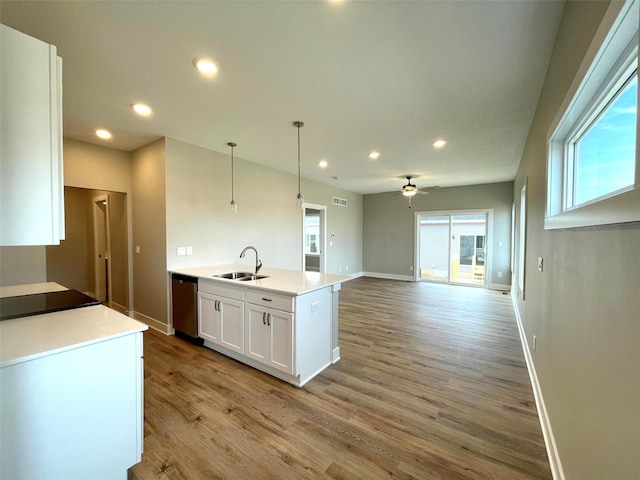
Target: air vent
{"x": 340, "y": 201}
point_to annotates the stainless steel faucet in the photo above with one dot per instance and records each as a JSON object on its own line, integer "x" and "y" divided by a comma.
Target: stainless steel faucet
{"x": 258, "y": 262}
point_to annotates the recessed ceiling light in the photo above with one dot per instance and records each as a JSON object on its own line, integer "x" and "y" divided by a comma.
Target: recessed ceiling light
{"x": 205, "y": 66}
{"x": 142, "y": 109}
{"x": 323, "y": 164}
{"x": 439, "y": 143}
{"x": 374, "y": 155}
{"x": 104, "y": 134}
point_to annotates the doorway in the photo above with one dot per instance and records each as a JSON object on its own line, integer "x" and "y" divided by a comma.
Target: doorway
{"x": 314, "y": 238}
{"x": 76, "y": 264}
{"x": 101, "y": 248}
{"x": 452, "y": 247}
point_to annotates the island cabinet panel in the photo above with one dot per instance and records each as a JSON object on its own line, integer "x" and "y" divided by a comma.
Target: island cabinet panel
{"x": 221, "y": 318}
{"x": 281, "y": 325}
{"x": 73, "y": 414}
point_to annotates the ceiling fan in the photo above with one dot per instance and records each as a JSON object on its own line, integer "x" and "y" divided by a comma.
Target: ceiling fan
{"x": 409, "y": 190}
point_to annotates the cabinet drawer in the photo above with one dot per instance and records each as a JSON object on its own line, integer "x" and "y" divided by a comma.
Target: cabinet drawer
{"x": 218, "y": 288}
{"x": 270, "y": 300}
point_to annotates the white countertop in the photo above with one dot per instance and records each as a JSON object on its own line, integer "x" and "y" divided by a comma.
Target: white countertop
{"x": 28, "y": 338}
{"x": 293, "y": 282}
{"x": 30, "y": 289}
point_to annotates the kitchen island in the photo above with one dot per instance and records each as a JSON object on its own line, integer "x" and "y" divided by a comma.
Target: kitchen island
{"x": 71, "y": 392}
{"x": 285, "y": 324}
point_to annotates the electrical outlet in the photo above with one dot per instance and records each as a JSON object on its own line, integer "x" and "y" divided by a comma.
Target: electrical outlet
{"x": 137, "y": 249}
{"x": 347, "y": 268}
{"x": 411, "y": 268}
{"x": 535, "y": 341}
{"x": 499, "y": 274}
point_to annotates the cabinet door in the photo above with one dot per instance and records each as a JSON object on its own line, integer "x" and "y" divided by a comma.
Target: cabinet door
{"x": 231, "y": 324}
{"x": 281, "y": 340}
{"x": 256, "y": 344}
{"x": 208, "y": 317}
{"x": 270, "y": 337}
{"x": 31, "y": 193}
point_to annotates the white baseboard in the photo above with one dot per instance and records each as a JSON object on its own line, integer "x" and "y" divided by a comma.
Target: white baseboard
{"x": 357, "y": 275}
{"x": 119, "y": 308}
{"x": 500, "y": 286}
{"x": 545, "y": 423}
{"x": 389, "y": 276}
{"x": 335, "y": 355}
{"x": 153, "y": 323}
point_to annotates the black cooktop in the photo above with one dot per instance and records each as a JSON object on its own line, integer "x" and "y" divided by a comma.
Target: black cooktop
{"x": 27, "y": 305}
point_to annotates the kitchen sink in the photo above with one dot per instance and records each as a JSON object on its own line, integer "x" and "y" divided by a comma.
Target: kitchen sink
{"x": 232, "y": 275}
{"x": 239, "y": 276}
{"x": 251, "y": 277}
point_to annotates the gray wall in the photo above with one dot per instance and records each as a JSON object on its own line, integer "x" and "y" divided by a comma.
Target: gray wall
{"x": 584, "y": 308}
{"x": 389, "y": 226}
{"x": 148, "y": 201}
{"x": 85, "y": 166}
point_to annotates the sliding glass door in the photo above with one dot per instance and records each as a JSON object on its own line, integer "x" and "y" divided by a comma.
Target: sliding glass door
{"x": 452, "y": 247}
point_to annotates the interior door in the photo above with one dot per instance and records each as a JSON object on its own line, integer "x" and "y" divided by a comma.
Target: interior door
{"x": 102, "y": 248}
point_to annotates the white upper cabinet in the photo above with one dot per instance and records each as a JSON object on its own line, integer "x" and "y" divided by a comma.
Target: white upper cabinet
{"x": 31, "y": 183}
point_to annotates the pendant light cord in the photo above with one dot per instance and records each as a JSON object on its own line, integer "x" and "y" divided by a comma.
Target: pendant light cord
{"x": 298, "y": 124}
{"x": 299, "y": 158}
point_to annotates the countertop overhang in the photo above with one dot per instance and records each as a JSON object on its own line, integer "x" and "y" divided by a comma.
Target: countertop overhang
{"x": 293, "y": 282}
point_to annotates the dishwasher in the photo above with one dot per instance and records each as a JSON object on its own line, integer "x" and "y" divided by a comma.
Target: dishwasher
{"x": 184, "y": 307}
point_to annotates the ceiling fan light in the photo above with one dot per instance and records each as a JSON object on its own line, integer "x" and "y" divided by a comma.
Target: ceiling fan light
{"x": 409, "y": 193}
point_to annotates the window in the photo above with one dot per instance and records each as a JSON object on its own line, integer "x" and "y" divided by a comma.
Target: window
{"x": 604, "y": 156}
{"x": 593, "y": 174}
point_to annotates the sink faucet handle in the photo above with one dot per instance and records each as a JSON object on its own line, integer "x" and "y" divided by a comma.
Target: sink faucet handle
{"x": 258, "y": 264}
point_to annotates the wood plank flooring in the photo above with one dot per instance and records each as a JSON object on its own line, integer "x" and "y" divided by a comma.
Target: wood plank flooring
{"x": 432, "y": 384}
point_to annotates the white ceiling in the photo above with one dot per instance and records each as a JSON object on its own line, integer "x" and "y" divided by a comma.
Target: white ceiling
{"x": 390, "y": 76}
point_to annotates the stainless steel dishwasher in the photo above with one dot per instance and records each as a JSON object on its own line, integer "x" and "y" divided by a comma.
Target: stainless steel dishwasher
{"x": 184, "y": 307}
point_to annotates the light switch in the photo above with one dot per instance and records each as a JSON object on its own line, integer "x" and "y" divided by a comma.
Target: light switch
{"x": 189, "y": 250}
{"x": 137, "y": 249}
{"x": 182, "y": 251}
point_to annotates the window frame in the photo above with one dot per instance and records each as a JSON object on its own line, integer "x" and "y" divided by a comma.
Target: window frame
{"x": 607, "y": 66}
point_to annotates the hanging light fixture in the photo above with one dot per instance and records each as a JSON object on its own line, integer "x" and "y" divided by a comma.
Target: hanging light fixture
{"x": 233, "y": 206}
{"x": 299, "y": 198}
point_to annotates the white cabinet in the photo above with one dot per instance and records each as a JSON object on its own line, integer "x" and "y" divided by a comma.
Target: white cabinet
{"x": 221, "y": 315}
{"x": 31, "y": 176}
{"x": 73, "y": 414}
{"x": 270, "y": 337}
{"x": 285, "y": 335}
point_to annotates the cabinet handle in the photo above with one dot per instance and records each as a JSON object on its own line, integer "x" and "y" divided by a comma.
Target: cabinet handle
{"x": 218, "y": 305}
{"x": 264, "y": 316}
{"x": 268, "y": 319}
{"x": 267, "y": 299}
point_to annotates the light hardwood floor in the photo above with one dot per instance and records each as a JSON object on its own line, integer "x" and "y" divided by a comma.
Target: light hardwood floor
{"x": 432, "y": 384}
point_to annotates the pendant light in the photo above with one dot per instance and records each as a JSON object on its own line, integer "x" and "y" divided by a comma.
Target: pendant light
{"x": 233, "y": 206}
{"x": 299, "y": 198}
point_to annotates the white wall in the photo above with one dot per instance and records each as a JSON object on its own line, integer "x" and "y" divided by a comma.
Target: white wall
{"x": 198, "y": 195}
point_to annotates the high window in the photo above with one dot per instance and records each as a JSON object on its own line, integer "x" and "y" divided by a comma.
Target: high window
{"x": 593, "y": 173}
